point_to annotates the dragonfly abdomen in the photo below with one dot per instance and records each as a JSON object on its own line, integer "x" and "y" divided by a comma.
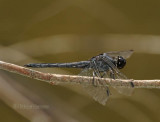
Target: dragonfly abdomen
{"x": 81, "y": 64}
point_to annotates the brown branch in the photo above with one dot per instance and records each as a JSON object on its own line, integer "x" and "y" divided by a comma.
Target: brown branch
{"x": 55, "y": 79}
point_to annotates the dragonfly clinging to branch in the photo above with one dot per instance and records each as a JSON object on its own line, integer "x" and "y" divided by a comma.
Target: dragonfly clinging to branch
{"x": 102, "y": 65}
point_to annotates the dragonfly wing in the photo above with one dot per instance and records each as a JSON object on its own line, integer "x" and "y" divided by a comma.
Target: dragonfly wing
{"x": 124, "y": 90}
{"x": 99, "y": 93}
{"x": 97, "y": 90}
{"x": 86, "y": 72}
{"x": 116, "y": 74}
{"x": 124, "y": 54}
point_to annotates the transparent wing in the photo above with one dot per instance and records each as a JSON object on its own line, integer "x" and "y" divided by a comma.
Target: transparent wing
{"x": 96, "y": 89}
{"x": 123, "y": 90}
{"x": 86, "y": 72}
{"x": 116, "y": 74}
{"x": 124, "y": 54}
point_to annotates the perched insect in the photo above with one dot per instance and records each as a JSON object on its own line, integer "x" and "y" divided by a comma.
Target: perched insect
{"x": 102, "y": 65}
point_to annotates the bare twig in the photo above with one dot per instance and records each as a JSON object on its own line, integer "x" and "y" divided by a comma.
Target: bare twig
{"x": 55, "y": 79}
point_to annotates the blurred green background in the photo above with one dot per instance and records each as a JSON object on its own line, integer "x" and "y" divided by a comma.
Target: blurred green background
{"x": 73, "y": 30}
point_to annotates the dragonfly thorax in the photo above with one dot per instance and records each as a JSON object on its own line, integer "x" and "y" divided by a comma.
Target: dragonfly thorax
{"x": 100, "y": 64}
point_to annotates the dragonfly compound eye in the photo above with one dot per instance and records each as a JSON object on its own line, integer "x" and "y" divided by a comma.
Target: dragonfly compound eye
{"x": 121, "y": 62}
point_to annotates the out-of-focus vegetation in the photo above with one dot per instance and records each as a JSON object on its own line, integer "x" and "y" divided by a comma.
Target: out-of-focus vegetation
{"x": 74, "y": 30}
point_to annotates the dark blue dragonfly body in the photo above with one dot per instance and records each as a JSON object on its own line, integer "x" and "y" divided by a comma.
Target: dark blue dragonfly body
{"x": 102, "y": 65}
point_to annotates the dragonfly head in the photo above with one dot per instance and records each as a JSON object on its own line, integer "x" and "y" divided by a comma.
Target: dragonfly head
{"x": 121, "y": 62}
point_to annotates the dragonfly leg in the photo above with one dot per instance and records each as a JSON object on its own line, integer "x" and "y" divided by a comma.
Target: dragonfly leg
{"x": 108, "y": 91}
{"x": 132, "y": 84}
{"x": 93, "y": 81}
{"x": 112, "y": 75}
{"x": 98, "y": 74}
{"x": 95, "y": 73}
{"x": 104, "y": 73}
{"x": 104, "y": 84}
{"x": 96, "y": 69}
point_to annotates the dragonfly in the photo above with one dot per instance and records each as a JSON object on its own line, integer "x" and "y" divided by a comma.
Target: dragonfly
{"x": 104, "y": 65}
